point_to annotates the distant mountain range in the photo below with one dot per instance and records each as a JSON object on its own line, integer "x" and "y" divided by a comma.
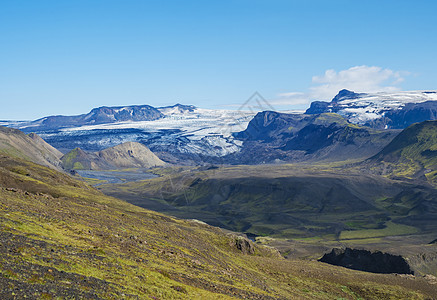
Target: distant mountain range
{"x": 351, "y": 126}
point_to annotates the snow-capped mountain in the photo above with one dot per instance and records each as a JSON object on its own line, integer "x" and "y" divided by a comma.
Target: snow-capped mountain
{"x": 178, "y": 129}
{"x": 381, "y": 110}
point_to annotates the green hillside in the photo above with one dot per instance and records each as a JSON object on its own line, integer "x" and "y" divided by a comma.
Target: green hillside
{"x": 61, "y": 238}
{"x": 288, "y": 201}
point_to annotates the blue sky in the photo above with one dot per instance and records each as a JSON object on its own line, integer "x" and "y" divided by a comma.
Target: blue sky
{"x": 66, "y": 57}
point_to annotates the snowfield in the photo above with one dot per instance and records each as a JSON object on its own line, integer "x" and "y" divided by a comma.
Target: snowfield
{"x": 197, "y": 124}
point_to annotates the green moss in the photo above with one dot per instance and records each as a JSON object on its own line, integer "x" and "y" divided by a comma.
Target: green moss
{"x": 68, "y": 159}
{"x": 78, "y": 166}
{"x": 413, "y": 150}
{"x": 390, "y": 229}
{"x": 328, "y": 118}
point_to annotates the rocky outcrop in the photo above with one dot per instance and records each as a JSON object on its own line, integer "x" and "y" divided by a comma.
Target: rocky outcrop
{"x": 317, "y": 107}
{"x": 242, "y": 244}
{"x": 364, "y": 260}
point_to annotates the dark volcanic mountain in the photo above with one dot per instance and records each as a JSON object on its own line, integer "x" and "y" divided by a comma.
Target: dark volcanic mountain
{"x": 381, "y": 110}
{"x": 273, "y": 136}
{"x": 100, "y": 115}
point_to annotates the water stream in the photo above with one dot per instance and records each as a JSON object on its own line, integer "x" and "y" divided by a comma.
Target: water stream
{"x": 116, "y": 176}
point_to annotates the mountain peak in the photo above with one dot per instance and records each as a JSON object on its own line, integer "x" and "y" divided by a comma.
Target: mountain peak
{"x": 344, "y": 93}
{"x": 176, "y": 109}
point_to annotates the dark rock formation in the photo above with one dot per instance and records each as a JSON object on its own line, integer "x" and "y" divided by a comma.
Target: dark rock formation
{"x": 345, "y": 94}
{"x": 272, "y": 136}
{"x": 242, "y": 244}
{"x": 317, "y": 107}
{"x": 364, "y": 260}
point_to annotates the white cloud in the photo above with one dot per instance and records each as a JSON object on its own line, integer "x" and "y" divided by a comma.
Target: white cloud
{"x": 362, "y": 79}
{"x": 292, "y": 98}
{"x": 358, "y": 79}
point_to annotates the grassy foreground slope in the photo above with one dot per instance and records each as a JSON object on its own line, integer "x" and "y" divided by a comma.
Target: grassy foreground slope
{"x": 60, "y": 238}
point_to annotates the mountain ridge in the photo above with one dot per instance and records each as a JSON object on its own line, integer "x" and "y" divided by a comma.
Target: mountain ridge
{"x": 274, "y": 136}
{"x": 29, "y": 146}
{"x": 99, "y": 115}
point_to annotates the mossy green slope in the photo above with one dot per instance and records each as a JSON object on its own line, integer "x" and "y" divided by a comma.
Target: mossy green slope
{"x": 61, "y": 238}
{"x": 413, "y": 153}
{"x": 76, "y": 159}
{"x": 285, "y": 201}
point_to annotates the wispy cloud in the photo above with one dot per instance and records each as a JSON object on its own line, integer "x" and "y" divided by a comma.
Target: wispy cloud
{"x": 292, "y": 98}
